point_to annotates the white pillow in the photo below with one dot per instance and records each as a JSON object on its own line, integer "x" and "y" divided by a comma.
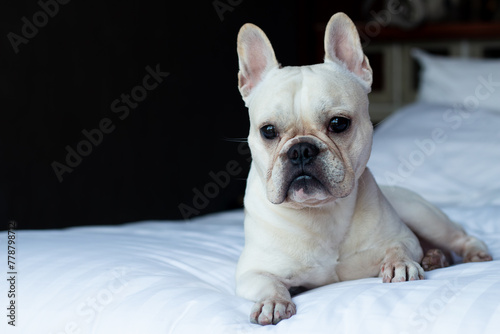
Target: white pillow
{"x": 459, "y": 82}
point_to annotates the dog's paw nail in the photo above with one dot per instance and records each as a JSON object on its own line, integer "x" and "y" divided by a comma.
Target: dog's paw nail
{"x": 398, "y": 279}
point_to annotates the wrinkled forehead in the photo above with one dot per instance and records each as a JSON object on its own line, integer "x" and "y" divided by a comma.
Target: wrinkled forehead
{"x": 305, "y": 91}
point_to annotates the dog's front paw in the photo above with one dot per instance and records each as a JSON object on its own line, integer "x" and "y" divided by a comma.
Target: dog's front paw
{"x": 401, "y": 271}
{"x": 271, "y": 311}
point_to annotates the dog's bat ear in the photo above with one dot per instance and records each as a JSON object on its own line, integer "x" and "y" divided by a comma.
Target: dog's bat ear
{"x": 256, "y": 57}
{"x": 342, "y": 44}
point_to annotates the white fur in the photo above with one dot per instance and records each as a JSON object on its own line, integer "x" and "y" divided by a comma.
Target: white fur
{"x": 346, "y": 228}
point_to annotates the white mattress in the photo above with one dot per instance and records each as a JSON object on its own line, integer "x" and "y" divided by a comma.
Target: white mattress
{"x": 158, "y": 277}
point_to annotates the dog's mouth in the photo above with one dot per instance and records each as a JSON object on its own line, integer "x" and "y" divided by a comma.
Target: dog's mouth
{"x": 303, "y": 181}
{"x": 306, "y": 188}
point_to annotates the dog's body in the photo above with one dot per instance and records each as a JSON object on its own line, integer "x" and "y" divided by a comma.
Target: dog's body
{"x": 314, "y": 213}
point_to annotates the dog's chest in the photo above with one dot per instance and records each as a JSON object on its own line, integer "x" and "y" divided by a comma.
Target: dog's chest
{"x": 321, "y": 267}
{"x": 320, "y": 258}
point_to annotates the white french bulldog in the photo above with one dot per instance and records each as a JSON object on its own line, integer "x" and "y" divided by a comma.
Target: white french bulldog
{"x": 314, "y": 214}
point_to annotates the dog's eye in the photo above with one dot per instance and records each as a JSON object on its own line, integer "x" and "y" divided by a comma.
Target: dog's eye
{"x": 339, "y": 124}
{"x": 268, "y": 132}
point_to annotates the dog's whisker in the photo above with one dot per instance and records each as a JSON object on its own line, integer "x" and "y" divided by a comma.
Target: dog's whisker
{"x": 236, "y": 140}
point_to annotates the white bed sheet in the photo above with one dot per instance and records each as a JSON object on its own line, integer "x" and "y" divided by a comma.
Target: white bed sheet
{"x": 157, "y": 277}
{"x": 460, "y": 166}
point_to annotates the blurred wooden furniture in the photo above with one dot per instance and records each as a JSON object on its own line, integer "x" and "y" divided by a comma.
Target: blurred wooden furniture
{"x": 396, "y": 72}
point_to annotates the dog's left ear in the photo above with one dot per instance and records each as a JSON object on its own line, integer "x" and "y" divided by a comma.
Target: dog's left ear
{"x": 342, "y": 44}
{"x": 256, "y": 57}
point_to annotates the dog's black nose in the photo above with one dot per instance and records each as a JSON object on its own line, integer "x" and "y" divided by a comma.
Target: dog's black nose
{"x": 302, "y": 153}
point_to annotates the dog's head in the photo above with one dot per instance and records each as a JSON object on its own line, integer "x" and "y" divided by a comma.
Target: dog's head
{"x": 310, "y": 131}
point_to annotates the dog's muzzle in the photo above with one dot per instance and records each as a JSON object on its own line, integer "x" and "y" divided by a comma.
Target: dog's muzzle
{"x": 304, "y": 173}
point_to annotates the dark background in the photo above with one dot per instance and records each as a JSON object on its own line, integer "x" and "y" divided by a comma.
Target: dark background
{"x": 65, "y": 78}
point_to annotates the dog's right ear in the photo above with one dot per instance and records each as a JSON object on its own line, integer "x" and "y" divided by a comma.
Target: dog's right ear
{"x": 256, "y": 57}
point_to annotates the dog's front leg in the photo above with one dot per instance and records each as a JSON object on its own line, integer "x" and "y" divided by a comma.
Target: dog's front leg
{"x": 273, "y": 302}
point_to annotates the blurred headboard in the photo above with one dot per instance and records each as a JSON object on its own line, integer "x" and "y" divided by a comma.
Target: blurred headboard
{"x": 396, "y": 72}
